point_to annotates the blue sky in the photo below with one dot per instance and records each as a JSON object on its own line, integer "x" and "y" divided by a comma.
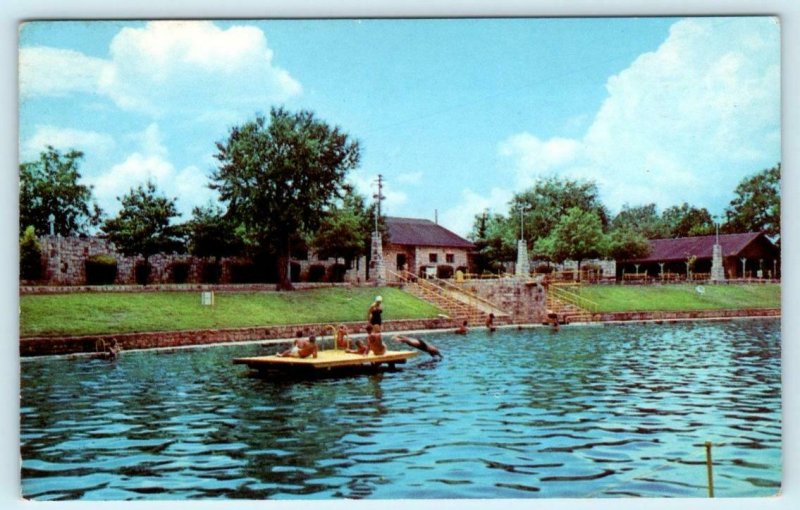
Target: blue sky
{"x": 458, "y": 115}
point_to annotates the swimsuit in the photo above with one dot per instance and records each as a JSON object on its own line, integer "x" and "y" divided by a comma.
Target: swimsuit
{"x": 375, "y": 317}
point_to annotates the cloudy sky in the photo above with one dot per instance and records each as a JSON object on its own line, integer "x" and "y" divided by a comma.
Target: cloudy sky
{"x": 458, "y": 115}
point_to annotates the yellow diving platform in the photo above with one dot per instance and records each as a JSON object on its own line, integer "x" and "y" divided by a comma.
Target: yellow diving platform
{"x": 326, "y": 361}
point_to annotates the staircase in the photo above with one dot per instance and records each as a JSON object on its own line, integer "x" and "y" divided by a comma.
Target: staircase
{"x": 565, "y": 301}
{"x": 454, "y": 301}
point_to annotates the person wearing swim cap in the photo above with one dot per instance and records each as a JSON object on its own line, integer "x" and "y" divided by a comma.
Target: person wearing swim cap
{"x": 374, "y": 318}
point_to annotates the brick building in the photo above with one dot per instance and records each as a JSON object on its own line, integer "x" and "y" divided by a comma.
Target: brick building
{"x": 424, "y": 247}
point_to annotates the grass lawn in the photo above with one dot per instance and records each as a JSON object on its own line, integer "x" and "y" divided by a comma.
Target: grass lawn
{"x": 629, "y": 298}
{"x": 96, "y": 313}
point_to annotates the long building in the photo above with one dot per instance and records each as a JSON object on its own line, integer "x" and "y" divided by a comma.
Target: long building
{"x": 424, "y": 247}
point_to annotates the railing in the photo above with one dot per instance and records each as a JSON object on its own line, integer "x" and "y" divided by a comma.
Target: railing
{"x": 457, "y": 306}
{"x": 470, "y": 295}
{"x": 559, "y": 292}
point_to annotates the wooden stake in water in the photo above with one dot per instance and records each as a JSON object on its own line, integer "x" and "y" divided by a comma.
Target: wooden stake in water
{"x": 709, "y": 465}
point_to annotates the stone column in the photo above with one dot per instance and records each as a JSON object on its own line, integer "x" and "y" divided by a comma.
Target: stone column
{"x": 378, "y": 266}
{"x": 717, "y": 269}
{"x": 523, "y": 264}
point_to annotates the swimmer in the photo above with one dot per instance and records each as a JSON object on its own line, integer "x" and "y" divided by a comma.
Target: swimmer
{"x": 490, "y": 323}
{"x": 462, "y": 330}
{"x": 342, "y": 338}
{"x": 361, "y": 348}
{"x": 419, "y": 344}
{"x": 374, "y": 341}
{"x": 301, "y": 349}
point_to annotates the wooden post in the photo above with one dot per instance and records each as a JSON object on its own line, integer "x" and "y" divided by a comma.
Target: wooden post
{"x": 709, "y": 470}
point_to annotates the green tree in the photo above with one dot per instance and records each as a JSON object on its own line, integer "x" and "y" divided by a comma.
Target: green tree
{"x": 577, "y": 236}
{"x": 30, "y": 255}
{"x": 212, "y": 234}
{"x": 625, "y": 243}
{"x": 344, "y": 229}
{"x": 143, "y": 225}
{"x": 643, "y": 219}
{"x": 50, "y": 185}
{"x": 686, "y": 220}
{"x": 278, "y": 177}
{"x": 549, "y": 200}
{"x": 493, "y": 236}
{"x": 757, "y": 205}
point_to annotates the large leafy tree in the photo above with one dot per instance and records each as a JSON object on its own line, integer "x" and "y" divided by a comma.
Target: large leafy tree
{"x": 577, "y": 236}
{"x": 212, "y": 234}
{"x": 625, "y": 243}
{"x": 757, "y": 205}
{"x": 549, "y": 200}
{"x": 494, "y": 239}
{"x": 344, "y": 229}
{"x": 279, "y": 175}
{"x": 643, "y": 219}
{"x": 685, "y": 220}
{"x": 50, "y": 185}
{"x": 144, "y": 224}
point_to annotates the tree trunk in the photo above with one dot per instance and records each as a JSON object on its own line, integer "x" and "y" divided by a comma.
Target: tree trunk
{"x": 579, "y": 270}
{"x": 284, "y": 268}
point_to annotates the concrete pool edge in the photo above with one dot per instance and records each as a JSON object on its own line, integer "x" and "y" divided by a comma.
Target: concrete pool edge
{"x": 91, "y": 344}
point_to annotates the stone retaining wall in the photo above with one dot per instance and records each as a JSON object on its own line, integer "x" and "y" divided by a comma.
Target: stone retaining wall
{"x": 697, "y": 314}
{"x": 43, "y": 346}
{"x": 523, "y": 300}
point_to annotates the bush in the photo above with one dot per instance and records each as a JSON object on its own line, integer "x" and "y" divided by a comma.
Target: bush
{"x": 336, "y": 273}
{"x": 179, "y": 272}
{"x": 142, "y": 272}
{"x": 211, "y": 272}
{"x": 243, "y": 272}
{"x": 100, "y": 270}
{"x": 444, "y": 272}
{"x": 30, "y": 256}
{"x": 316, "y": 273}
{"x": 543, "y": 269}
{"x": 294, "y": 271}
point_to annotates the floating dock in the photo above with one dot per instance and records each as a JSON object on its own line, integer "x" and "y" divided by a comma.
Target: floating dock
{"x": 326, "y": 361}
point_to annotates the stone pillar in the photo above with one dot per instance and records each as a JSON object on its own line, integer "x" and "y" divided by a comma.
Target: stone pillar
{"x": 717, "y": 268}
{"x": 523, "y": 264}
{"x": 378, "y": 267}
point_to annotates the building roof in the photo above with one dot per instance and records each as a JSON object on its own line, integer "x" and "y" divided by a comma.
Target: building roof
{"x": 662, "y": 250}
{"x": 417, "y": 232}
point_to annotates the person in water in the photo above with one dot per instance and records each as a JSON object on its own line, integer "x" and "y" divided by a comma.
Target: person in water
{"x": 462, "y": 330}
{"x": 302, "y": 348}
{"x": 374, "y": 342}
{"x": 490, "y": 322}
{"x": 342, "y": 338}
{"x": 374, "y": 318}
{"x": 419, "y": 344}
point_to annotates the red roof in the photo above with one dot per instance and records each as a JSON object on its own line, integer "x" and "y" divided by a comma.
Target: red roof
{"x": 662, "y": 250}
{"x": 416, "y": 232}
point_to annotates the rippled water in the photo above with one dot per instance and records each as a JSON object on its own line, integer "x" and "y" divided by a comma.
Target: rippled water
{"x": 587, "y": 412}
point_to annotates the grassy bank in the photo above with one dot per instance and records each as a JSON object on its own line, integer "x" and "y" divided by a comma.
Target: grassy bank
{"x": 97, "y": 313}
{"x": 629, "y": 298}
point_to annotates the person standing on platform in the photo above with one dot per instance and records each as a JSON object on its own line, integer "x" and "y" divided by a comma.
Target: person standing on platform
{"x": 374, "y": 313}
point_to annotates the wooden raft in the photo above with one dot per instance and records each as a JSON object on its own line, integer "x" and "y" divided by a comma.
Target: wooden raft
{"x": 326, "y": 361}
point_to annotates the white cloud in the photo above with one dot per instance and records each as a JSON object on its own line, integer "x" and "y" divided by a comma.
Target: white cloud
{"x": 63, "y": 139}
{"x": 683, "y": 123}
{"x": 409, "y": 178}
{"x": 167, "y": 66}
{"x": 460, "y": 218}
{"x": 57, "y": 72}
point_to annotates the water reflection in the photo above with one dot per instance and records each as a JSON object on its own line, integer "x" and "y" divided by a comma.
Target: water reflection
{"x": 588, "y": 412}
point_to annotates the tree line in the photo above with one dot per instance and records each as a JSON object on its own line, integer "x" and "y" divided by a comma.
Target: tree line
{"x": 564, "y": 219}
{"x": 283, "y": 188}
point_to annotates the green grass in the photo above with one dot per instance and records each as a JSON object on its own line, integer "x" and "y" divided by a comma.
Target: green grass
{"x": 629, "y": 298}
{"x": 99, "y": 313}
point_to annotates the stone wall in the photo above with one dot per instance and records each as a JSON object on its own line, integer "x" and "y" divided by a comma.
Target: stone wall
{"x": 522, "y": 299}
{"x": 63, "y": 263}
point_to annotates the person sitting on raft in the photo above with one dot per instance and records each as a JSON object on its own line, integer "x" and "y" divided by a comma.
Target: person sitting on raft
{"x": 342, "y": 338}
{"x": 490, "y": 322}
{"x": 302, "y": 348}
{"x": 462, "y": 330}
{"x": 419, "y": 344}
{"x": 374, "y": 341}
{"x": 361, "y": 348}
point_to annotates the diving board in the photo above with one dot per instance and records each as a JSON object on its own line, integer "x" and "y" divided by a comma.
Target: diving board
{"x": 326, "y": 361}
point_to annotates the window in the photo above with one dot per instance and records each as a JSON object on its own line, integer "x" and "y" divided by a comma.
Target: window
{"x": 450, "y": 258}
{"x": 433, "y": 258}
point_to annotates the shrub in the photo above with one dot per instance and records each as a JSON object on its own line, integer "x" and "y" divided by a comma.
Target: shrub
{"x": 100, "y": 270}
{"x": 243, "y": 272}
{"x": 316, "y": 273}
{"x": 179, "y": 272}
{"x": 142, "y": 272}
{"x": 444, "y": 272}
{"x": 30, "y": 255}
{"x": 543, "y": 269}
{"x": 210, "y": 273}
{"x": 336, "y": 273}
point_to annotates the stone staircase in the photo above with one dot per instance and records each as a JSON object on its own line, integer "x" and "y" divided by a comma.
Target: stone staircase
{"x": 568, "y": 305}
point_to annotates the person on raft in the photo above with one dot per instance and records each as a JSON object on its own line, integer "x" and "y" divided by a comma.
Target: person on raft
{"x": 374, "y": 314}
{"x": 361, "y": 348}
{"x": 374, "y": 341}
{"x": 302, "y": 348}
{"x": 419, "y": 344}
{"x": 462, "y": 330}
{"x": 342, "y": 338}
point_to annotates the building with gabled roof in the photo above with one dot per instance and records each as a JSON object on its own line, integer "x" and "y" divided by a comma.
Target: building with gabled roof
{"x": 424, "y": 247}
{"x": 743, "y": 255}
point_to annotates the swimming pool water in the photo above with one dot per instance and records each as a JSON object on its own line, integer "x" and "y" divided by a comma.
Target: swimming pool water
{"x": 598, "y": 411}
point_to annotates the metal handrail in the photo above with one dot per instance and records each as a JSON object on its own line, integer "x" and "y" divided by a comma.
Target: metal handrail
{"x": 574, "y": 299}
